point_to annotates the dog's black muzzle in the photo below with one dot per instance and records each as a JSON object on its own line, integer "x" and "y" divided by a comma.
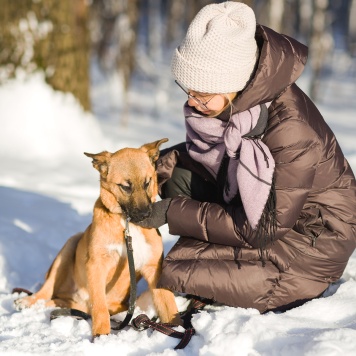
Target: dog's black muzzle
{"x": 137, "y": 215}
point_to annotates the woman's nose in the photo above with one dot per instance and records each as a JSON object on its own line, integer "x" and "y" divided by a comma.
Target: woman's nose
{"x": 195, "y": 104}
{"x": 192, "y": 102}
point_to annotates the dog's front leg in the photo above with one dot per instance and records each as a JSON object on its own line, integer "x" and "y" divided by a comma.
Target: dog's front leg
{"x": 163, "y": 299}
{"x": 97, "y": 271}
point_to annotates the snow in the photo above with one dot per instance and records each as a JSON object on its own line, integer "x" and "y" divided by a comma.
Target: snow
{"x": 47, "y": 190}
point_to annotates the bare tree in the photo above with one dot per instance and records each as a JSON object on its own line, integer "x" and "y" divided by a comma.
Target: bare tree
{"x": 115, "y": 43}
{"x": 175, "y": 19}
{"x": 50, "y": 36}
{"x": 19, "y": 31}
{"x": 352, "y": 28}
{"x": 305, "y": 15}
{"x": 320, "y": 45}
{"x": 269, "y": 13}
{"x": 179, "y": 15}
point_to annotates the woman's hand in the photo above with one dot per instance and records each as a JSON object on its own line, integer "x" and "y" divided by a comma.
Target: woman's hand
{"x": 158, "y": 215}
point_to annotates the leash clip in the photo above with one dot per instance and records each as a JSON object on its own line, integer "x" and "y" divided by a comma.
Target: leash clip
{"x": 127, "y": 231}
{"x": 128, "y": 237}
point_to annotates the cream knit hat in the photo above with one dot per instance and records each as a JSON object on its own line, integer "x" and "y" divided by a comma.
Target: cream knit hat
{"x": 219, "y": 52}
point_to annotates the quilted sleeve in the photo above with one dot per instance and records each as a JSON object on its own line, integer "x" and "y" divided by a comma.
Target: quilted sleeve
{"x": 296, "y": 150}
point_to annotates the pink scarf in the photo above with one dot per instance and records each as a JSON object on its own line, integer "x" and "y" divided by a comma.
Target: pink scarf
{"x": 251, "y": 164}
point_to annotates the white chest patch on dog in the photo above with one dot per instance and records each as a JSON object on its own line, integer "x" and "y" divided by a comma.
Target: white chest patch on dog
{"x": 141, "y": 249}
{"x": 118, "y": 248}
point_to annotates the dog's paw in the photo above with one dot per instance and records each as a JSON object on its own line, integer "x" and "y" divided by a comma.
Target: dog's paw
{"x": 18, "y": 305}
{"x": 23, "y": 303}
{"x": 95, "y": 337}
{"x": 101, "y": 326}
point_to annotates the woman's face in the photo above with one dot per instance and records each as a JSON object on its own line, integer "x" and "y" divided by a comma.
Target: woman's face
{"x": 207, "y": 104}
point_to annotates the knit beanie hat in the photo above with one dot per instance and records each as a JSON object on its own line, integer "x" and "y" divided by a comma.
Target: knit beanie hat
{"x": 219, "y": 52}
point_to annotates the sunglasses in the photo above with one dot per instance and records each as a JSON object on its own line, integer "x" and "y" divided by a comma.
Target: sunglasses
{"x": 195, "y": 99}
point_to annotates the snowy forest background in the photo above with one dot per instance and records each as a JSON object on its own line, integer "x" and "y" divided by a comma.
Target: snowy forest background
{"x": 93, "y": 75}
{"x": 135, "y": 38}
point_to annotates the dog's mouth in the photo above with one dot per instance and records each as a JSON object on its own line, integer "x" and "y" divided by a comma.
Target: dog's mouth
{"x": 136, "y": 215}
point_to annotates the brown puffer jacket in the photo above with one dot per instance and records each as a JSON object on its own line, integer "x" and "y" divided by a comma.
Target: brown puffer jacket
{"x": 217, "y": 256}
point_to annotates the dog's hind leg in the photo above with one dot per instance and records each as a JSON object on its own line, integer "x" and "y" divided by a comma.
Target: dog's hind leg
{"x": 56, "y": 275}
{"x": 64, "y": 303}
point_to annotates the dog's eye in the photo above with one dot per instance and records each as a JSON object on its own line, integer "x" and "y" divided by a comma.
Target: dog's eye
{"x": 125, "y": 188}
{"x": 147, "y": 184}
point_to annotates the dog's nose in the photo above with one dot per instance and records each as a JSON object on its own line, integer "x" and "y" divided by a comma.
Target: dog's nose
{"x": 139, "y": 215}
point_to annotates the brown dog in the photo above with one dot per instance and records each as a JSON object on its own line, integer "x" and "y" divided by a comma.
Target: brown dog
{"x": 91, "y": 272}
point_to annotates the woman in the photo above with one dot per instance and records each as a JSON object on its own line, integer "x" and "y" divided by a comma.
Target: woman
{"x": 261, "y": 193}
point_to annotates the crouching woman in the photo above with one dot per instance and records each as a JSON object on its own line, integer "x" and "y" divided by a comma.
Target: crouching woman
{"x": 260, "y": 193}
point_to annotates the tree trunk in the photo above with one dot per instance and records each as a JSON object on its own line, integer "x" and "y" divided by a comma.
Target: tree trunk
{"x": 320, "y": 44}
{"x": 352, "y": 28}
{"x": 15, "y": 47}
{"x": 51, "y": 36}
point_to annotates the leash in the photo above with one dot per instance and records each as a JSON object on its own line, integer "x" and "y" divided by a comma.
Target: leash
{"x": 133, "y": 285}
{"x": 142, "y": 322}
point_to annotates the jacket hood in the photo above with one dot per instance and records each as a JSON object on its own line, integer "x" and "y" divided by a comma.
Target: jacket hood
{"x": 281, "y": 62}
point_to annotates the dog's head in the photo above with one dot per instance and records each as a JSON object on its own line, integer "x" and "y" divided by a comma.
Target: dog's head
{"x": 128, "y": 179}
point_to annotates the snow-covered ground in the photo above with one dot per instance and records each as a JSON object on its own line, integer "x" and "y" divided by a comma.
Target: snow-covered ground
{"x": 47, "y": 190}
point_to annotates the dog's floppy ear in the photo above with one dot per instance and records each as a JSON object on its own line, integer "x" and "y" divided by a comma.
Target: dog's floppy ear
{"x": 100, "y": 161}
{"x": 152, "y": 149}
